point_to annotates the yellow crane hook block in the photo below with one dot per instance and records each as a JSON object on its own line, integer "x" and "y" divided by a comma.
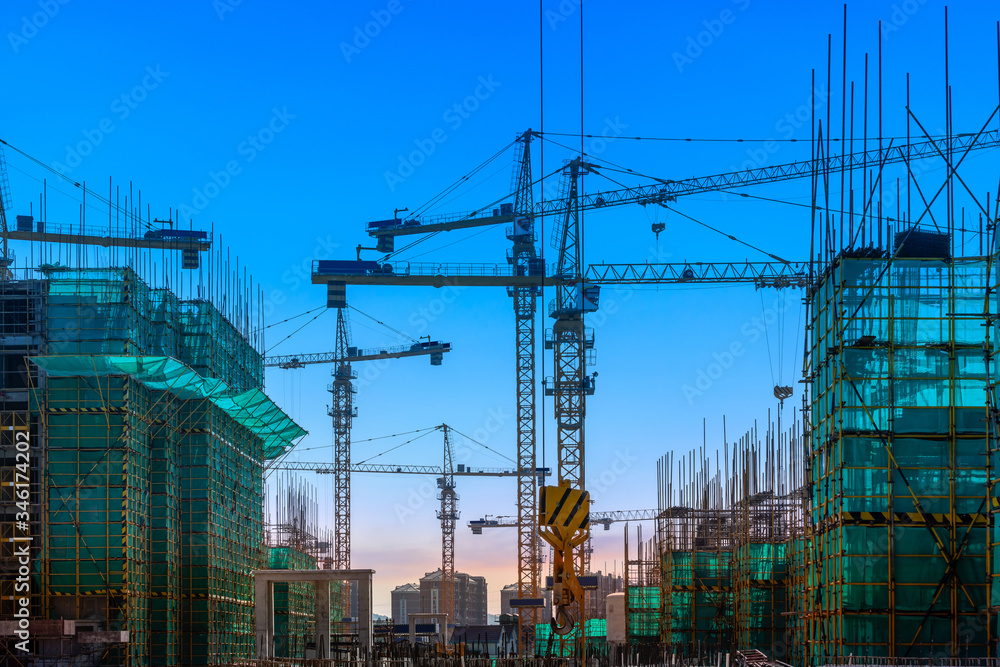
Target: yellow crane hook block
{"x": 564, "y": 508}
{"x": 564, "y": 522}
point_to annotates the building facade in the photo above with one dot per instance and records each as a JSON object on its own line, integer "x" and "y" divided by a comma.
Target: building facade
{"x": 405, "y": 601}
{"x": 509, "y": 592}
{"x": 470, "y": 597}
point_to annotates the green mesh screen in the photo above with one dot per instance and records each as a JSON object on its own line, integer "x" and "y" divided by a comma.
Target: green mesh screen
{"x": 251, "y": 409}
{"x": 294, "y": 604}
{"x": 761, "y": 571}
{"x": 899, "y": 469}
{"x": 155, "y": 431}
{"x": 548, "y": 644}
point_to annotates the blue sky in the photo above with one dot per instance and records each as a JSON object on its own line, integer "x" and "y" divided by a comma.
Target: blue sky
{"x": 287, "y": 126}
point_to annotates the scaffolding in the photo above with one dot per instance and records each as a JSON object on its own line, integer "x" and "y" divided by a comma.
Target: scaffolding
{"x": 149, "y": 437}
{"x": 548, "y": 645}
{"x": 897, "y": 555}
{"x": 643, "y": 601}
{"x": 295, "y": 541}
{"x": 694, "y": 537}
{"x": 863, "y": 531}
{"x": 768, "y": 515}
{"x": 718, "y": 577}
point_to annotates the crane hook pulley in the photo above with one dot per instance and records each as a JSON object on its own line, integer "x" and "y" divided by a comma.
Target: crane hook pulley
{"x": 657, "y": 228}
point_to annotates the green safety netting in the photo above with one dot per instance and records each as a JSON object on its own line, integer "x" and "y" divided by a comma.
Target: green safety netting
{"x": 549, "y": 645}
{"x": 252, "y": 408}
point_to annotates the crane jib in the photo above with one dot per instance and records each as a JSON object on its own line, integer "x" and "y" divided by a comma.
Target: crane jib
{"x": 669, "y": 190}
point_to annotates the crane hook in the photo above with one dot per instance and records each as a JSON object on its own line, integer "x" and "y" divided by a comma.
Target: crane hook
{"x": 565, "y": 623}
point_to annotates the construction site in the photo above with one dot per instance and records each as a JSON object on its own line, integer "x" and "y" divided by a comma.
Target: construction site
{"x": 162, "y": 505}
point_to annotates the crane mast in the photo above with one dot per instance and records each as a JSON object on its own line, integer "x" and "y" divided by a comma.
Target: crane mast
{"x": 342, "y": 411}
{"x": 570, "y": 387}
{"x": 448, "y": 514}
{"x": 525, "y": 262}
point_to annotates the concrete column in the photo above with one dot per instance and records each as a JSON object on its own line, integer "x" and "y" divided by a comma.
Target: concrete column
{"x": 322, "y": 619}
{"x": 365, "y": 625}
{"x": 264, "y": 617}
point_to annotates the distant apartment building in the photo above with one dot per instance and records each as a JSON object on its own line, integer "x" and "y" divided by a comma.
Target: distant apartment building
{"x": 470, "y": 597}
{"x": 509, "y": 592}
{"x": 405, "y": 601}
{"x": 597, "y": 599}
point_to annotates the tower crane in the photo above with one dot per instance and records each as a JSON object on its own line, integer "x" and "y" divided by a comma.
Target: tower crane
{"x": 342, "y": 410}
{"x": 578, "y": 288}
{"x": 448, "y": 512}
{"x": 190, "y": 242}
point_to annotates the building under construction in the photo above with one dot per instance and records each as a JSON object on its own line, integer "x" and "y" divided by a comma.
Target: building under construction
{"x": 148, "y": 430}
{"x": 864, "y": 530}
{"x": 136, "y": 436}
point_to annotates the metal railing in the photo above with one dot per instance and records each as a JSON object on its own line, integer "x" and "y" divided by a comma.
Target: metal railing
{"x": 425, "y": 221}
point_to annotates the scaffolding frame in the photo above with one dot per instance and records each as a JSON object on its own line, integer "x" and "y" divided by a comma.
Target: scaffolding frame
{"x": 897, "y": 553}
{"x": 146, "y": 505}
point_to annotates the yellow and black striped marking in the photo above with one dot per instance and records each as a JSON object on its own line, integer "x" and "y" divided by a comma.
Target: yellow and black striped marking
{"x": 911, "y": 519}
{"x": 101, "y": 591}
{"x": 700, "y": 589}
{"x": 563, "y": 507}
